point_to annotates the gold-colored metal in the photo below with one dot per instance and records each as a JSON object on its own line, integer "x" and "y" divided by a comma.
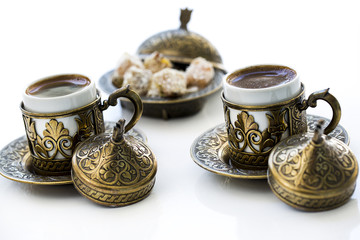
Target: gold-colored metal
{"x": 133, "y": 97}
{"x": 52, "y": 149}
{"x": 312, "y": 172}
{"x": 114, "y": 170}
{"x": 16, "y": 161}
{"x": 333, "y": 102}
{"x": 181, "y": 45}
{"x": 249, "y": 147}
{"x": 211, "y": 150}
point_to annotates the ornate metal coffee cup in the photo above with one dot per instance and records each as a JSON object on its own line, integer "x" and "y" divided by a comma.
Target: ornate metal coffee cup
{"x": 52, "y": 137}
{"x": 253, "y": 130}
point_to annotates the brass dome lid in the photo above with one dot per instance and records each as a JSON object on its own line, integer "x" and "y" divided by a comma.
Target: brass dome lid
{"x": 113, "y": 169}
{"x": 312, "y": 172}
{"x": 181, "y": 45}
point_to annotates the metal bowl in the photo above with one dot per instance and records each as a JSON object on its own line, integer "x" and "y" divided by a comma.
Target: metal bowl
{"x": 181, "y": 46}
{"x": 165, "y": 108}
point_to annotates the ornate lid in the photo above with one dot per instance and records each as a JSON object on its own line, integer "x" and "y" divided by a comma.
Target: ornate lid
{"x": 312, "y": 172}
{"x": 114, "y": 171}
{"x": 181, "y": 45}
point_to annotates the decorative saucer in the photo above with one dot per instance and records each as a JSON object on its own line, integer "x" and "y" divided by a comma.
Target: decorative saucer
{"x": 15, "y": 161}
{"x": 210, "y": 150}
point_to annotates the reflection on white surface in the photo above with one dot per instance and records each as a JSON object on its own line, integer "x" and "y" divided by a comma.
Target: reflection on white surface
{"x": 254, "y": 206}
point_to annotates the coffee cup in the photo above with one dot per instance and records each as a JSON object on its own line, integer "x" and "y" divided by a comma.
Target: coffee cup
{"x": 263, "y": 105}
{"x": 61, "y": 111}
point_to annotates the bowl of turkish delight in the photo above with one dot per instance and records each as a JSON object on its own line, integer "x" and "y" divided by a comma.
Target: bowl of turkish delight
{"x": 173, "y": 72}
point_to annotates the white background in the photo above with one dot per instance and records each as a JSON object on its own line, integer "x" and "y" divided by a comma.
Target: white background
{"x": 320, "y": 39}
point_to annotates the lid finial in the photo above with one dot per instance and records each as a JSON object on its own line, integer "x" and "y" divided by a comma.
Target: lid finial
{"x": 185, "y": 18}
{"x": 319, "y": 131}
{"x": 119, "y": 130}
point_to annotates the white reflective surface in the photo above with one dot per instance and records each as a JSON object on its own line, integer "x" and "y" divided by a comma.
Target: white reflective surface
{"x": 319, "y": 39}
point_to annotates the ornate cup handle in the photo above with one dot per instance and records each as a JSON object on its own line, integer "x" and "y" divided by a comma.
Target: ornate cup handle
{"x": 132, "y": 96}
{"x": 331, "y": 100}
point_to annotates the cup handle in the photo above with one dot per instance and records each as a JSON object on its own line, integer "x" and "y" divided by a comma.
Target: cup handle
{"x": 132, "y": 96}
{"x": 331, "y": 100}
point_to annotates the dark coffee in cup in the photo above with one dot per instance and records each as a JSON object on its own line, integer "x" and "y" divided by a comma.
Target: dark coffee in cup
{"x": 258, "y": 115}
{"x": 58, "y": 86}
{"x": 262, "y": 76}
{"x": 61, "y": 111}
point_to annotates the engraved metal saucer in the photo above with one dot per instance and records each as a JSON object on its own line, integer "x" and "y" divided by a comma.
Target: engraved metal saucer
{"x": 210, "y": 150}
{"x": 15, "y": 161}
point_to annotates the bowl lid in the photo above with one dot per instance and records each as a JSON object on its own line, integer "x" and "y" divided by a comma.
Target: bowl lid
{"x": 181, "y": 45}
{"x": 312, "y": 172}
{"x": 112, "y": 170}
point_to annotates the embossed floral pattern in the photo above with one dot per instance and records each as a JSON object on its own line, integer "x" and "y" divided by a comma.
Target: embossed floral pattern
{"x": 111, "y": 164}
{"x": 327, "y": 171}
{"x": 207, "y": 151}
{"x": 53, "y": 151}
{"x": 15, "y": 160}
{"x": 250, "y": 146}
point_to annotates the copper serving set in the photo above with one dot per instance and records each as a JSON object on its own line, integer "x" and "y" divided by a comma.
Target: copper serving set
{"x": 110, "y": 163}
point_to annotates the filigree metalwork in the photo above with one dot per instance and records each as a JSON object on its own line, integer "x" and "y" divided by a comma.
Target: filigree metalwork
{"x": 312, "y": 173}
{"x": 110, "y": 198}
{"x": 332, "y": 169}
{"x": 99, "y": 120}
{"x": 16, "y": 161}
{"x": 50, "y": 152}
{"x": 113, "y": 170}
{"x": 125, "y": 171}
{"x": 210, "y": 151}
{"x": 298, "y": 121}
{"x": 244, "y": 134}
{"x": 249, "y": 146}
{"x": 52, "y": 148}
{"x": 56, "y": 140}
{"x": 85, "y": 125}
{"x": 309, "y": 204}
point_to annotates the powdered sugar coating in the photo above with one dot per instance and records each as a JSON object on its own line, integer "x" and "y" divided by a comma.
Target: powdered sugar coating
{"x": 138, "y": 79}
{"x": 125, "y": 62}
{"x": 199, "y": 73}
{"x": 168, "y": 83}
